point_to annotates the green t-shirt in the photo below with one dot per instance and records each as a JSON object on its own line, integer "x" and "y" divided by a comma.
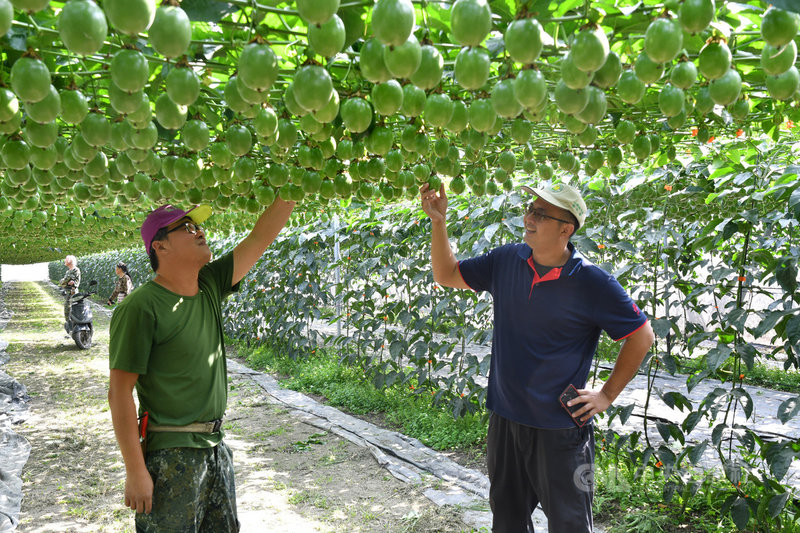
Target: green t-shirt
{"x": 176, "y": 345}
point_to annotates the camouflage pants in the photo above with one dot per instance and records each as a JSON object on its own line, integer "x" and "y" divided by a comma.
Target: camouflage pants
{"x": 193, "y": 491}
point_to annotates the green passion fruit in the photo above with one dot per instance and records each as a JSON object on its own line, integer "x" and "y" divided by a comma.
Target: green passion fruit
{"x": 663, "y": 40}
{"x": 523, "y": 40}
{"x": 470, "y": 21}
{"x": 393, "y": 21}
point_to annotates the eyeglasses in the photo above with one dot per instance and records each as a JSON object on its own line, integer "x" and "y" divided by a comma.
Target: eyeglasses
{"x": 190, "y": 227}
{"x": 539, "y": 215}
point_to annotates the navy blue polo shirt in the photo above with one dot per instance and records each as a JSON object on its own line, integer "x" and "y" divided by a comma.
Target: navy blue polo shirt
{"x": 546, "y": 329}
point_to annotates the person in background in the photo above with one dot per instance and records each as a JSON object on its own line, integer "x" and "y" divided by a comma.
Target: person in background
{"x": 123, "y": 286}
{"x": 550, "y": 306}
{"x": 70, "y": 282}
{"x": 167, "y": 342}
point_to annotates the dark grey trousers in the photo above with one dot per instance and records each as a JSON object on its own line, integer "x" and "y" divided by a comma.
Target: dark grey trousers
{"x": 530, "y": 466}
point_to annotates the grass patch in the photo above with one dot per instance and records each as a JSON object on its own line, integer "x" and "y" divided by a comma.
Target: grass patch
{"x": 345, "y": 387}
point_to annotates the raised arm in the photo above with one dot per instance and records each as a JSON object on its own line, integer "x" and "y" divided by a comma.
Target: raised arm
{"x": 267, "y": 227}
{"x": 443, "y": 262}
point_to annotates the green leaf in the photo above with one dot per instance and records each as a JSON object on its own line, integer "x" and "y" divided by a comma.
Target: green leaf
{"x": 489, "y": 232}
{"x": 661, "y": 326}
{"x": 786, "y": 274}
{"x": 625, "y": 413}
{"x": 676, "y": 399}
{"x": 776, "y": 504}
{"x": 717, "y": 356}
{"x": 788, "y": 409}
{"x": 740, "y": 513}
{"x": 696, "y": 451}
{"x": 207, "y": 10}
{"x": 663, "y": 429}
{"x": 748, "y": 354}
{"x": 779, "y": 458}
{"x": 716, "y": 434}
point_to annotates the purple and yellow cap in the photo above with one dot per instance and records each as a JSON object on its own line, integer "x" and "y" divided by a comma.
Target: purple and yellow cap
{"x": 166, "y": 215}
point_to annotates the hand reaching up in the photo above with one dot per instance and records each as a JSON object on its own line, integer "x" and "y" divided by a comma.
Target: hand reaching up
{"x": 434, "y": 205}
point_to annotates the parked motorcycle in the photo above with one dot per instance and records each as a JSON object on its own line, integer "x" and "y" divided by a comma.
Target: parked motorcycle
{"x": 79, "y": 324}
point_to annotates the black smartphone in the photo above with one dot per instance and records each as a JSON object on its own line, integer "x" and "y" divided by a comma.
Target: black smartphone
{"x": 570, "y": 393}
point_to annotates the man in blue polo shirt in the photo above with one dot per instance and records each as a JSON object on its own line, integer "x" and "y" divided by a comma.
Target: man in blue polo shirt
{"x": 550, "y": 306}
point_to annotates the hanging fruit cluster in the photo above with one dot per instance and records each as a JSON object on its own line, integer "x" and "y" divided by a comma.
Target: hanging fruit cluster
{"x": 107, "y": 110}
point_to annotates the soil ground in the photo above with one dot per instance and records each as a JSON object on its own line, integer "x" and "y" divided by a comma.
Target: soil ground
{"x": 290, "y": 476}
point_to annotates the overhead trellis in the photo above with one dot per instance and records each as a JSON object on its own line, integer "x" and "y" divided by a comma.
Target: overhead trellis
{"x": 108, "y": 110}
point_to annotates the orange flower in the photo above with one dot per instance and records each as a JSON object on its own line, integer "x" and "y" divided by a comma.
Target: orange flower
{"x": 694, "y": 132}
{"x": 789, "y": 124}
{"x": 742, "y": 279}
{"x": 711, "y": 139}
{"x": 659, "y": 464}
{"x": 411, "y": 387}
{"x": 601, "y": 246}
{"x": 741, "y": 376}
{"x": 466, "y": 218}
{"x": 668, "y": 188}
{"x": 430, "y": 361}
{"x": 739, "y": 132}
{"x": 462, "y": 394}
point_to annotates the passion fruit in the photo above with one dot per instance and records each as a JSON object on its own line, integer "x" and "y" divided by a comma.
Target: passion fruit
{"x": 393, "y": 22}
{"x": 725, "y": 89}
{"x": 572, "y": 75}
{"x": 439, "y": 110}
{"x": 695, "y": 15}
{"x": 470, "y": 21}
{"x": 327, "y": 39}
{"x": 523, "y": 40}
{"x": 317, "y": 11}
{"x": 356, "y": 114}
{"x": 778, "y": 27}
{"x": 630, "y": 88}
{"x": 530, "y": 88}
{"x": 590, "y": 49}
{"x": 609, "y": 73}
{"x": 171, "y": 31}
{"x": 714, "y": 60}
{"x": 777, "y": 60}
{"x": 783, "y": 86}
{"x": 403, "y": 60}
{"x": 129, "y": 70}
{"x": 130, "y": 17}
{"x": 648, "y": 70}
{"x": 431, "y": 66}
{"x": 683, "y": 75}
{"x": 312, "y": 87}
{"x": 30, "y": 79}
{"x": 570, "y": 101}
{"x": 596, "y": 106}
{"x": 82, "y": 26}
{"x": 670, "y": 100}
{"x": 663, "y": 40}
{"x": 371, "y": 62}
{"x": 503, "y": 100}
{"x": 183, "y": 86}
{"x": 257, "y": 67}
{"x": 472, "y": 68}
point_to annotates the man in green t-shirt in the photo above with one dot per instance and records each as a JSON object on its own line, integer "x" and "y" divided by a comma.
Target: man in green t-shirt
{"x": 166, "y": 340}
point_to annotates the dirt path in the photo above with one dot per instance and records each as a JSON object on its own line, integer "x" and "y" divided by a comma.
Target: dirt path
{"x": 291, "y": 477}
